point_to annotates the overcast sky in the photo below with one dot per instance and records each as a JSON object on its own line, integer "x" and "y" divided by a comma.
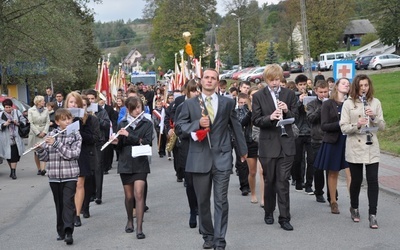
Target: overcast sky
{"x": 112, "y": 10}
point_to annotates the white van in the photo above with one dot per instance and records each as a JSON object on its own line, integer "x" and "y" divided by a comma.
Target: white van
{"x": 326, "y": 59}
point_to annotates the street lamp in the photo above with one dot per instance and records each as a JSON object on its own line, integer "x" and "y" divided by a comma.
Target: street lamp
{"x": 239, "y": 40}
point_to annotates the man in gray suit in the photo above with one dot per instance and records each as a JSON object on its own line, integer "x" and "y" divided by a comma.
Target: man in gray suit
{"x": 210, "y": 160}
{"x": 276, "y": 152}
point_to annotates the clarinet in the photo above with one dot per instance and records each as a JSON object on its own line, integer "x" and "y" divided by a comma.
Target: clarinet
{"x": 283, "y": 130}
{"x": 365, "y": 104}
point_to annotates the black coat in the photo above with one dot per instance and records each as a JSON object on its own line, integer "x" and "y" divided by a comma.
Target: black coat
{"x": 330, "y": 121}
{"x": 143, "y": 134}
{"x": 90, "y": 133}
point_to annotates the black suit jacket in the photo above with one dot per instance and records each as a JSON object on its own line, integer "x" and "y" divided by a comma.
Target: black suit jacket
{"x": 49, "y": 99}
{"x": 330, "y": 121}
{"x": 271, "y": 143}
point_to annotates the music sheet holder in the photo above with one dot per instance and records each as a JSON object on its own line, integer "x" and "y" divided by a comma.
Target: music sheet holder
{"x": 366, "y": 130}
{"x": 285, "y": 122}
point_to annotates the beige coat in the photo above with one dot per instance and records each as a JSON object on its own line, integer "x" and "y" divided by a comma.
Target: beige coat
{"x": 40, "y": 122}
{"x": 356, "y": 149}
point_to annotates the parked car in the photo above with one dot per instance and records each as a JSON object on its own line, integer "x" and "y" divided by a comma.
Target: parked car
{"x": 355, "y": 41}
{"x": 296, "y": 67}
{"x": 17, "y": 104}
{"x": 362, "y": 62}
{"x": 385, "y": 60}
{"x": 314, "y": 66}
{"x": 257, "y": 78}
{"x": 236, "y": 75}
{"x": 255, "y": 71}
{"x": 228, "y": 74}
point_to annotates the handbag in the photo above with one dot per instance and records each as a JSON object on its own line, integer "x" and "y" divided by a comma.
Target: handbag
{"x": 24, "y": 129}
{"x": 141, "y": 150}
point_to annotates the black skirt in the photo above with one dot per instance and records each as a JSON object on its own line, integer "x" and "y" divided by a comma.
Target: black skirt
{"x": 252, "y": 149}
{"x": 14, "y": 154}
{"x": 131, "y": 178}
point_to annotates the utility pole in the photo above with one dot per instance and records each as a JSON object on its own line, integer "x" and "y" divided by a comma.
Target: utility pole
{"x": 239, "y": 40}
{"x": 306, "y": 46}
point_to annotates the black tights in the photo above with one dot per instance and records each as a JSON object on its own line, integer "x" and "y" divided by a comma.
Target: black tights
{"x": 372, "y": 182}
{"x": 134, "y": 192}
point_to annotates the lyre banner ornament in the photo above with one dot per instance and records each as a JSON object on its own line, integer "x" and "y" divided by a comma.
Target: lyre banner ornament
{"x": 188, "y": 47}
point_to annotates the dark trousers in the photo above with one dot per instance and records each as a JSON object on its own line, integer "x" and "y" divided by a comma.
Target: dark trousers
{"x": 99, "y": 173}
{"x": 179, "y": 170}
{"x": 203, "y": 185}
{"x": 191, "y": 194}
{"x": 303, "y": 145}
{"x": 356, "y": 171}
{"x": 243, "y": 171}
{"x": 161, "y": 143}
{"x": 90, "y": 191}
{"x": 319, "y": 178}
{"x": 108, "y": 157}
{"x": 64, "y": 200}
{"x": 276, "y": 172}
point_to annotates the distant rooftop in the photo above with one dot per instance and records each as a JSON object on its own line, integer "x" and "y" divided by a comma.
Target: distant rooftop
{"x": 361, "y": 26}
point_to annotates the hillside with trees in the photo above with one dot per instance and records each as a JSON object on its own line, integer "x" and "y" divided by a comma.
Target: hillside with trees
{"x": 57, "y": 33}
{"x": 160, "y": 32}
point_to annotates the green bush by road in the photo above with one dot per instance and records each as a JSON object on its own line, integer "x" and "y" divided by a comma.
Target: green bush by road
{"x": 387, "y": 90}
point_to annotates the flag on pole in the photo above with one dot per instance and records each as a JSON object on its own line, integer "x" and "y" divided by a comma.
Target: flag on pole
{"x": 162, "y": 121}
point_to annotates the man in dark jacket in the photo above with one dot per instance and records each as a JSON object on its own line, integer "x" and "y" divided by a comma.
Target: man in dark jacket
{"x": 314, "y": 118}
{"x": 303, "y": 142}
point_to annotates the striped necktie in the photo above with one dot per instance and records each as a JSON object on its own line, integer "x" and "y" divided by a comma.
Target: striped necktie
{"x": 210, "y": 109}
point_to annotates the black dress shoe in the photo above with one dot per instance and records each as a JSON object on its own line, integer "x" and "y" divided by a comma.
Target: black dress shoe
{"x": 320, "y": 198}
{"x": 98, "y": 201}
{"x": 86, "y": 214}
{"x": 77, "y": 222}
{"x": 129, "y": 230}
{"x": 269, "y": 219}
{"x": 60, "y": 237}
{"x": 192, "y": 221}
{"x": 146, "y": 208}
{"x": 286, "y": 226}
{"x": 43, "y": 172}
{"x": 140, "y": 236}
{"x": 68, "y": 239}
{"x": 208, "y": 245}
{"x": 245, "y": 192}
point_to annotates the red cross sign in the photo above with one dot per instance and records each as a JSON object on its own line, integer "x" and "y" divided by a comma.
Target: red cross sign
{"x": 344, "y": 69}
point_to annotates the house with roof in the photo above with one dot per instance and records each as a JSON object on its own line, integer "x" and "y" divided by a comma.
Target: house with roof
{"x": 358, "y": 28}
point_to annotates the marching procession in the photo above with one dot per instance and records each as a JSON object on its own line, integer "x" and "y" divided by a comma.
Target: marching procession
{"x": 269, "y": 127}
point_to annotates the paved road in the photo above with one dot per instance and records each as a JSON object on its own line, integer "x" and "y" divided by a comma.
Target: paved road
{"x": 27, "y": 217}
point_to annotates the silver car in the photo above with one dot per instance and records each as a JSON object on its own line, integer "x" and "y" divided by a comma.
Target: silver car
{"x": 385, "y": 60}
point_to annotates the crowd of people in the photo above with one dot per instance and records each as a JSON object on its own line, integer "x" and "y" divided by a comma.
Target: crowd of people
{"x": 205, "y": 128}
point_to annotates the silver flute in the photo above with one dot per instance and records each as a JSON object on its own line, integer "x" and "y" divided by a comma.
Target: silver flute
{"x": 40, "y": 143}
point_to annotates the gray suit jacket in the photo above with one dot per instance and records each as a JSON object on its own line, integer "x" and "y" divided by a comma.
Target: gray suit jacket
{"x": 270, "y": 141}
{"x": 200, "y": 157}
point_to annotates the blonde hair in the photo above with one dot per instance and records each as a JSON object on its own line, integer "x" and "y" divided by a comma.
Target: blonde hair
{"x": 38, "y": 99}
{"x": 272, "y": 71}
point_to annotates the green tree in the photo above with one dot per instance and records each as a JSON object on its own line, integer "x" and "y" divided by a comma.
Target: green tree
{"x": 386, "y": 14}
{"x": 172, "y": 18}
{"x": 59, "y": 31}
{"x": 326, "y": 21}
{"x": 271, "y": 55}
{"x": 249, "y": 57}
